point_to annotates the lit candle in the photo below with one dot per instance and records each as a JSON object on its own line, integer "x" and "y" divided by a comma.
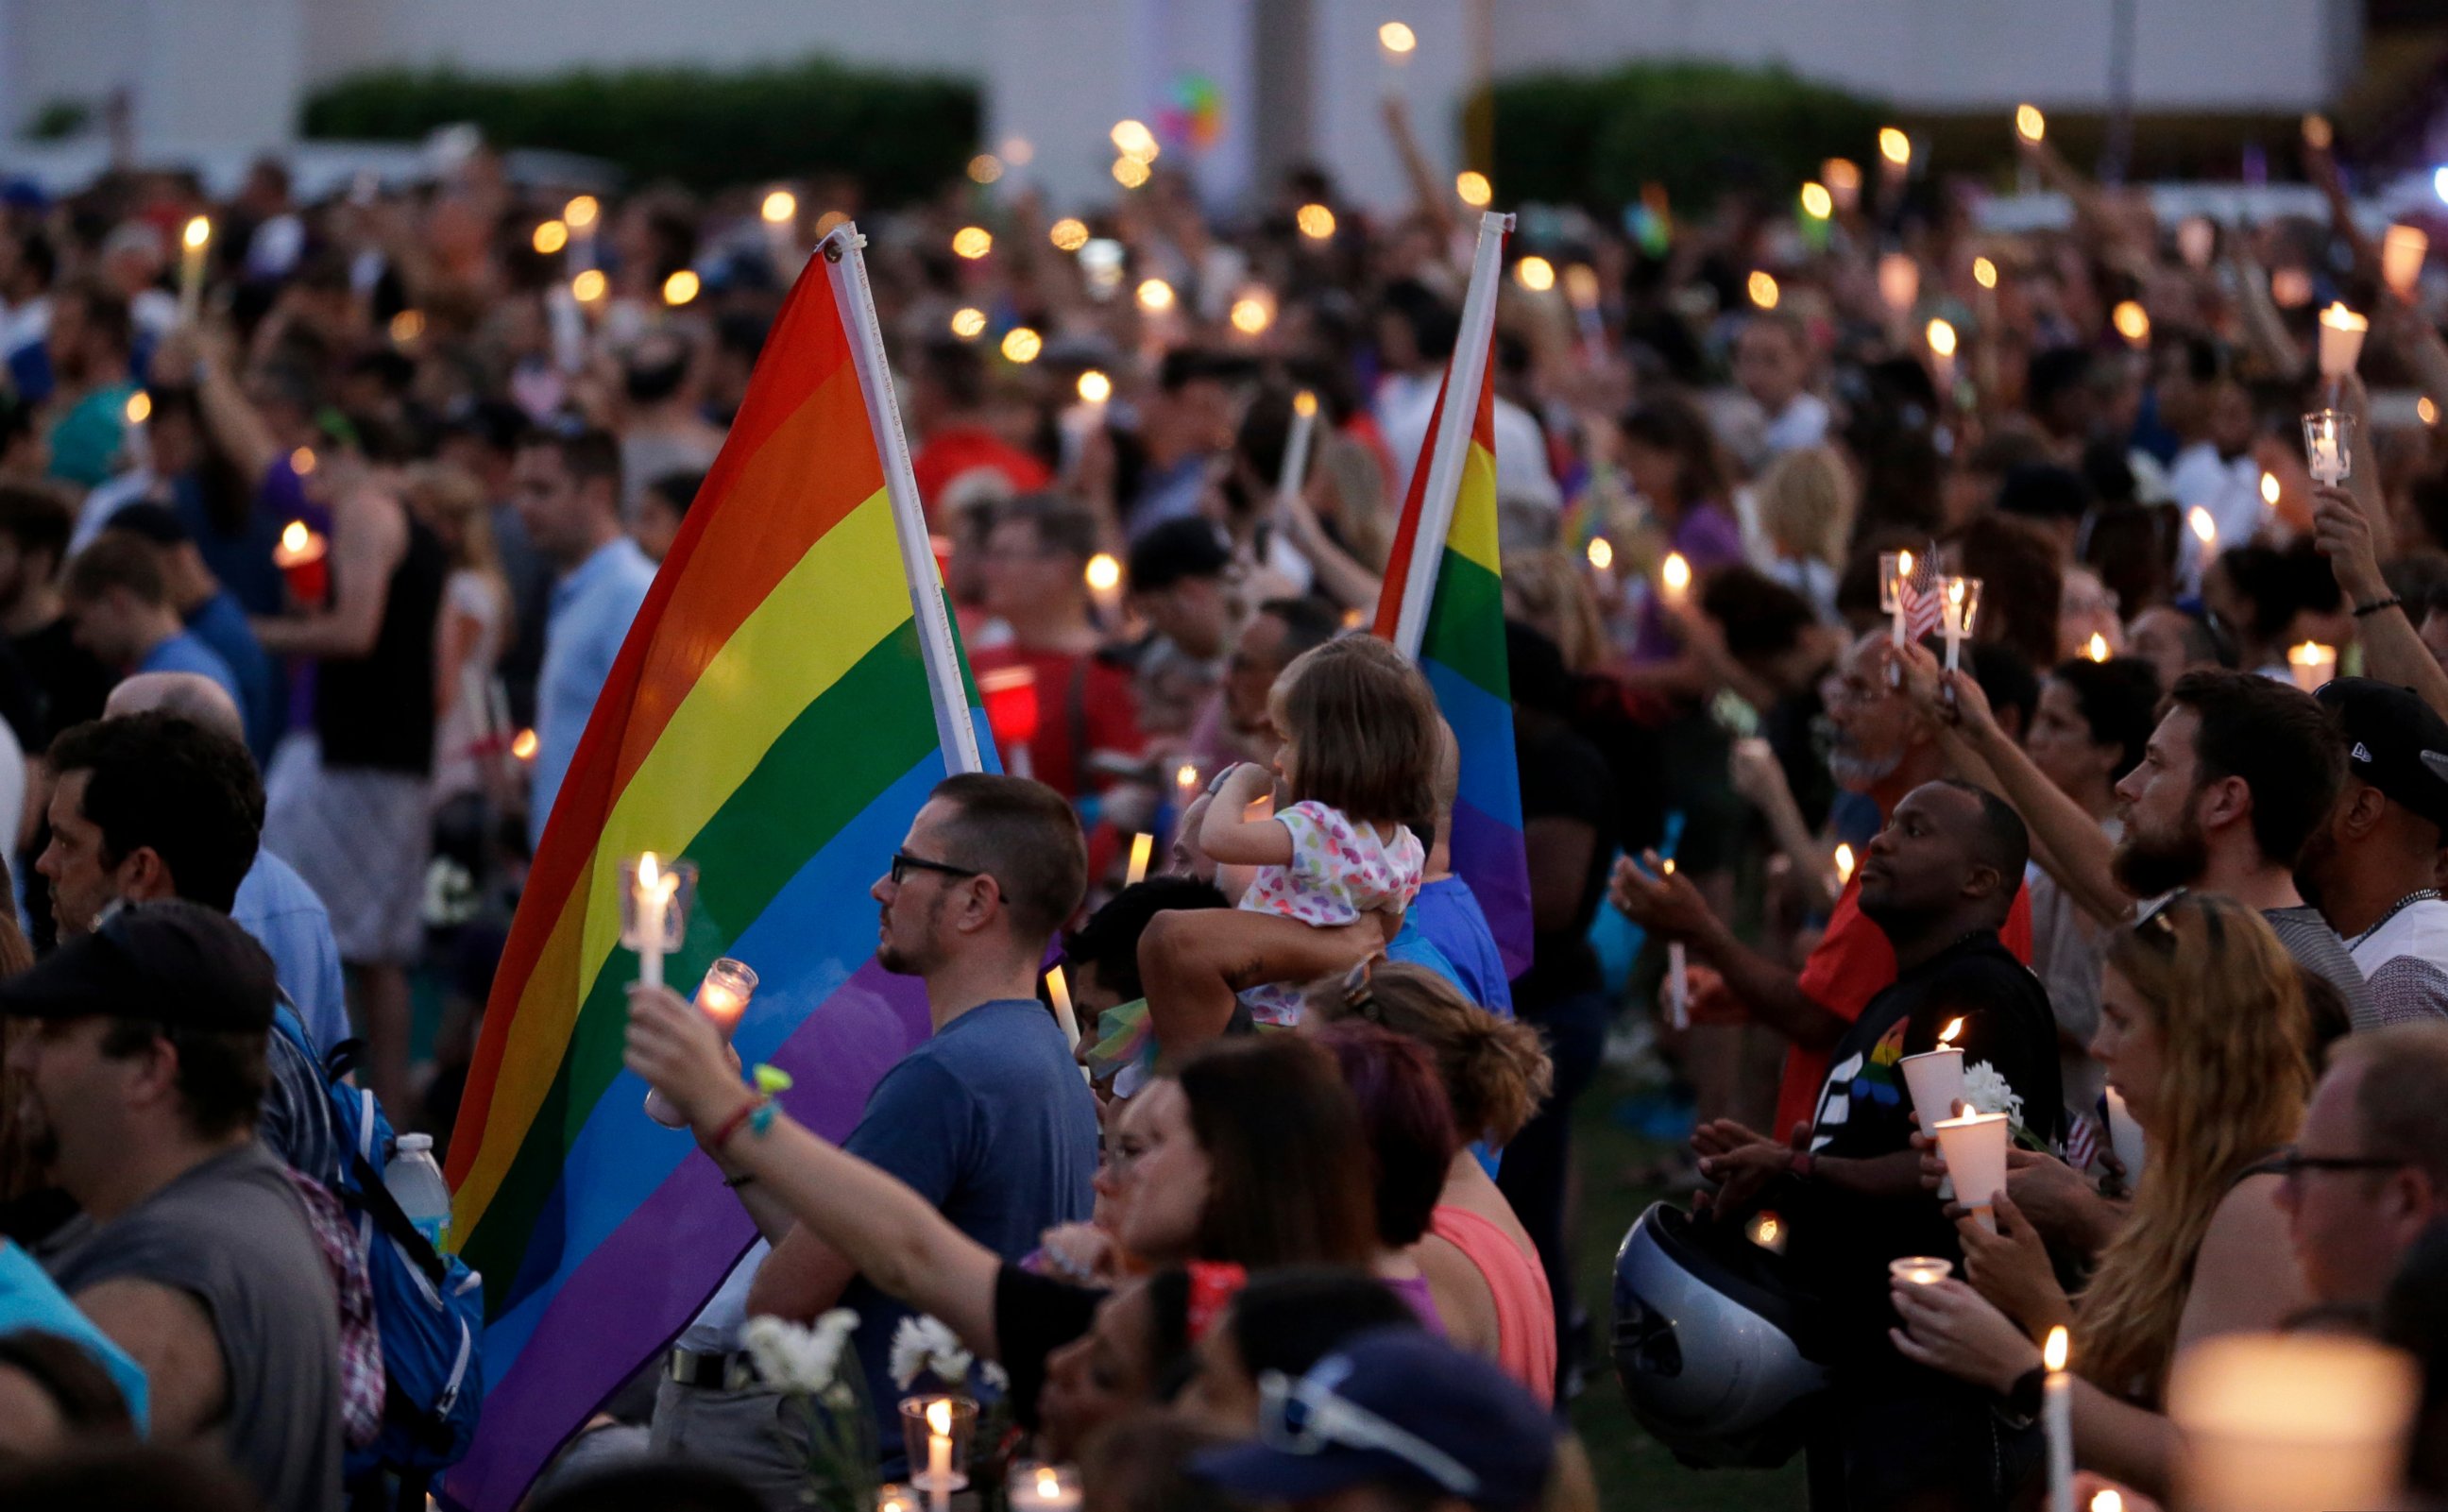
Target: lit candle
{"x": 2205, "y": 529}
{"x": 1602, "y": 553}
{"x": 1396, "y": 43}
{"x": 1921, "y": 1269}
{"x": 198, "y": 237}
{"x": 2056, "y": 1416}
{"x": 1935, "y": 1080}
{"x": 1043, "y": 1488}
{"x": 1974, "y": 1148}
{"x": 1767, "y": 1231}
{"x": 2030, "y": 125}
{"x": 1844, "y": 867}
{"x": 2312, "y": 664}
{"x": 1294, "y": 470}
{"x": 304, "y": 559}
{"x": 1958, "y": 604}
{"x": 1185, "y": 786}
{"x": 2284, "y": 1422}
{"x": 892, "y": 1497}
{"x": 2096, "y": 650}
{"x": 524, "y": 745}
{"x": 1894, "y": 591}
{"x": 1941, "y": 352}
{"x": 1895, "y": 153}
{"x": 939, "y": 1453}
{"x": 1104, "y": 577}
{"x": 1899, "y": 283}
{"x": 2125, "y": 1137}
{"x": 655, "y": 906}
{"x": 581, "y": 215}
{"x": 2328, "y": 445}
{"x": 2341, "y": 340}
{"x": 1675, "y": 578}
{"x": 2402, "y": 251}
{"x": 1679, "y": 977}
{"x": 723, "y": 997}
{"x": 1843, "y": 180}
{"x": 1142, "y": 847}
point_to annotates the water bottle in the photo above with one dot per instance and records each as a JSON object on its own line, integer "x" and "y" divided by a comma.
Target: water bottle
{"x": 415, "y": 1182}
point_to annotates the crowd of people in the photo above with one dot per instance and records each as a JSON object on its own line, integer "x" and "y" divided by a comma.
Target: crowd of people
{"x": 318, "y": 544}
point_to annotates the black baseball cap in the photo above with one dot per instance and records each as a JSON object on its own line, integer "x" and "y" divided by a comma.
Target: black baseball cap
{"x": 179, "y": 963}
{"x": 1393, "y": 1406}
{"x": 2395, "y": 741}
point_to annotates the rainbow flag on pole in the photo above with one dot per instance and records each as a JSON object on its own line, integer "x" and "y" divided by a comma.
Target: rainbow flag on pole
{"x": 1443, "y": 605}
{"x": 789, "y": 691}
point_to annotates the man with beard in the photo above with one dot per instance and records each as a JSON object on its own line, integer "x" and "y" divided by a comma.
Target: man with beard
{"x": 2231, "y": 785}
{"x": 2369, "y": 866}
{"x": 1938, "y": 882}
{"x": 1883, "y": 748}
{"x": 989, "y": 1120}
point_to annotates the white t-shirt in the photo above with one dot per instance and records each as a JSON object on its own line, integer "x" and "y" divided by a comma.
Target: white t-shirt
{"x": 2405, "y": 961}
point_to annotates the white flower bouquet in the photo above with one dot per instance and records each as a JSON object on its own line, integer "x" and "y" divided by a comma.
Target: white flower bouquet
{"x": 812, "y": 1367}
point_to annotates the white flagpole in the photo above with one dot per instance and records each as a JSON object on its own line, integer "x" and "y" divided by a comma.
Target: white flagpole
{"x": 1463, "y": 379}
{"x": 847, "y": 270}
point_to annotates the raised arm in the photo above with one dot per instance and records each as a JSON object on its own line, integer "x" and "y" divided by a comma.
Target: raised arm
{"x": 1672, "y": 907}
{"x": 890, "y": 1233}
{"x": 1225, "y": 836}
{"x": 2392, "y": 648}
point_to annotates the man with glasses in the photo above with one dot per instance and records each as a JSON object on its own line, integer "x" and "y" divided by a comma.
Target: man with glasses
{"x": 2369, "y": 1170}
{"x": 989, "y": 1118}
{"x": 1882, "y": 747}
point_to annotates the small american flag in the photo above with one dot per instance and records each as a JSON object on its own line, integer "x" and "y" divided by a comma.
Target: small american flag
{"x": 1920, "y": 595}
{"x": 2082, "y": 1141}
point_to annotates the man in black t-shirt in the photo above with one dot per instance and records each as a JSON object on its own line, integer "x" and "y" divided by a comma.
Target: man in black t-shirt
{"x": 1939, "y": 880}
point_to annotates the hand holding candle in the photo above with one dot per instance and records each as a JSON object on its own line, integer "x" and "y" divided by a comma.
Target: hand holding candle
{"x": 1974, "y": 1148}
{"x": 2311, "y": 665}
{"x": 303, "y": 558}
{"x": 2328, "y": 445}
{"x": 723, "y": 998}
{"x": 1958, "y": 602}
{"x": 1895, "y": 590}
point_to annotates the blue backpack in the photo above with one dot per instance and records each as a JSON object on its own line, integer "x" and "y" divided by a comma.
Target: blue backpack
{"x": 429, "y": 1307}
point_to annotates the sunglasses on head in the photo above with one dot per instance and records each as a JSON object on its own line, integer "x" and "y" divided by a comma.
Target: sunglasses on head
{"x": 1307, "y": 1416}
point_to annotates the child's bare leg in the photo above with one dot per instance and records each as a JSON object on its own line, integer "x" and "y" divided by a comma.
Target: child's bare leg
{"x": 1193, "y": 961}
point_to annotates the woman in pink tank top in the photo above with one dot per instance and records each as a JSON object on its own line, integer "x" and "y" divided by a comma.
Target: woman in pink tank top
{"x": 1482, "y": 1271}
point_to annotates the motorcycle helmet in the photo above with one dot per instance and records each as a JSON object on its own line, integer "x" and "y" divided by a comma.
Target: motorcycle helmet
{"x": 1710, "y": 1339}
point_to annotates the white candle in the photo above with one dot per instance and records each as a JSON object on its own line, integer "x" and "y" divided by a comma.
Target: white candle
{"x": 1142, "y": 847}
{"x": 1059, "y": 990}
{"x": 2402, "y": 251}
{"x": 2056, "y": 1416}
{"x": 2341, "y": 340}
{"x": 2328, "y": 446}
{"x": 1941, "y": 352}
{"x": 1673, "y": 579}
{"x": 2290, "y": 1422}
{"x": 1679, "y": 977}
{"x": 1104, "y": 580}
{"x": 198, "y": 237}
{"x": 1043, "y": 1488}
{"x": 1960, "y": 601}
{"x": 2312, "y": 665}
{"x": 653, "y": 893}
{"x": 1895, "y": 584}
{"x": 1921, "y": 1269}
{"x": 939, "y": 1454}
{"x": 1974, "y": 1148}
{"x": 1296, "y": 447}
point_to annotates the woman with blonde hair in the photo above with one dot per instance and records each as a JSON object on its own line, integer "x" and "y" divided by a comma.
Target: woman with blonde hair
{"x": 1804, "y": 503}
{"x": 470, "y": 633}
{"x": 1547, "y": 591}
{"x": 2203, "y": 1031}
{"x": 1481, "y": 1267}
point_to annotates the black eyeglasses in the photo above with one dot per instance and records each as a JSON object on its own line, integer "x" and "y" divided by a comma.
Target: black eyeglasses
{"x": 904, "y": 863}
{"x": 2294, "y": 1162}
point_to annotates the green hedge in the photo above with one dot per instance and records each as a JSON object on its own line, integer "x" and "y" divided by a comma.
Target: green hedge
{"x": 1697, "y": 129}
{"x": 900, "y": 135}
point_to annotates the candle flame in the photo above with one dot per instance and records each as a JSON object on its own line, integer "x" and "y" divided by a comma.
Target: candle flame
{"x": 199, "y": 230}
{"x": 1315, "y": 222}
{"x": 2097, "y": 649}
{"x": 1894, "y": 146}
{"x": 140, "y": 407}
{"x": 1397, "y": 38}
{"x": 1903, "y": 564}
{"x": 969, "y": 243}
{"x": 1941, "y": 338}
{"x": 591, "y": 286}
{"x": 939, "y": 1417}
{"x": 650, "y": 873}
{"x": 682, "y": 287}
{"x": 2309, "y": 654}
{"x": 780, "y": 207}
{"x": 2204, "y": 527}
{"x": 1473, "y": 189}
{"x": 1764, "y": 1230}
{"x": 1667, "y": 866}
{"x": 1816, "y": 202}
{"x": 1104, "y": 574}
{"x": 1095, "y": 387}
{"x": 1049, "y": 1484}
{"x": 1535, "y": 274}
{"x": 1143, "y": 848}
{"x": 2029, "y": 123}
{"x": 294, "y": 536}
{"x": 1763, "y": 289}
{"x": 2337, "y": 317}
{"x": 2053, "y": 1356}
{"x": 1954, "y": 1028}
{"x": 1155, "y": 295}
{"x": 1984, "y": 272}
{"x": 969, "y": 322}
{"x": 581, "y": 212}
{"x": 2269, "y": 489}
{"x": 1955, "y": 591}
{"x": 1602, "y": 553}
{"x": 1843, "y": 865}
{"x": 1068, "y": 234}
{"x": 524, "y": 746}
{"x": 2107, "y": 1501}
{"x": 1677, "y": 573}
{"x": 1185, "y": 777}
{"x": 2133, "y": 322}
{"x": 1305, "y": 403}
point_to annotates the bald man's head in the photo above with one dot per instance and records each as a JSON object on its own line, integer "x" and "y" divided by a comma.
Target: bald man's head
{"x": 188, "y": 696}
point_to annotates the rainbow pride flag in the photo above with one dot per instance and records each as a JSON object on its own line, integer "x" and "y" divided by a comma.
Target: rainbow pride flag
{"x": 789, "y": 691}
{"x": 1443, "y": 603}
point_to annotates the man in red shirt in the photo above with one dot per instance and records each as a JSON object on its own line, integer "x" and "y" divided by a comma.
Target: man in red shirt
{"x": 1035, "y": 559}
{"x": 1884, "y": 749}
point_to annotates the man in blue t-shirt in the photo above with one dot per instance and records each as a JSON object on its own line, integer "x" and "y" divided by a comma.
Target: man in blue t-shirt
{"x": 989, "y": 1118}
{"x": 1446, "y": 914}
{"x": 119, "y": 600}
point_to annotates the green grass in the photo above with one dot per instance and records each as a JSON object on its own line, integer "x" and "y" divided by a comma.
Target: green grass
{"x": 1634, "y": 1470}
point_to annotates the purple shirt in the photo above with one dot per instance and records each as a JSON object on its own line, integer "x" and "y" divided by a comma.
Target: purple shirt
{"x": 1707, "y": 538}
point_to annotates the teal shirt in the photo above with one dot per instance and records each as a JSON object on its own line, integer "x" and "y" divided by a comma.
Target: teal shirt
{"x": 91, "y": 441}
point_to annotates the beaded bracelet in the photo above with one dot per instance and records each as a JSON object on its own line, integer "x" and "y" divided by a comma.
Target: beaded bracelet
{"x": 2392, "y": 601}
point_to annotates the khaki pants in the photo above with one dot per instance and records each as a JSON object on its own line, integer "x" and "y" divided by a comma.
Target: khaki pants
{"x": 754, "y": 1434}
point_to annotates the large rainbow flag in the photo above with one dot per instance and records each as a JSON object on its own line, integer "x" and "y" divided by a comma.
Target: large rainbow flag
{"x": 791, "y": 690}
{"x": 1443, "y": 603}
